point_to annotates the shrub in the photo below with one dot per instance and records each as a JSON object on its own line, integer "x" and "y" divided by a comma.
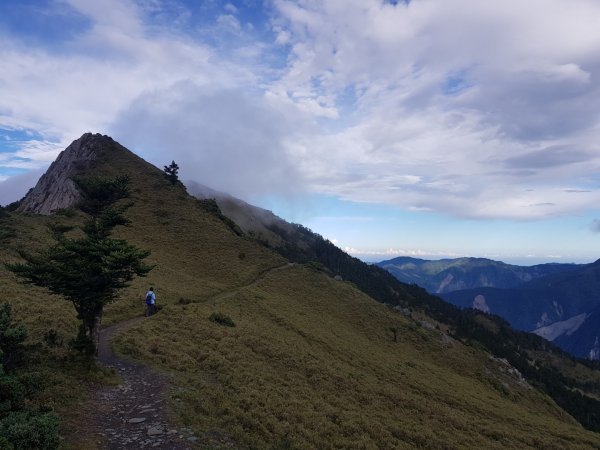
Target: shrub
{"x": 52, "y": 338}
{"x": 24, "y": 430}
{"x": 316, "y": 266}
{"x": 20, "y": 426}
{"x": 65, "y": 212}
{"x": 211, "y": 206}
{"x": 12, "y": 337}
{"x": 221, "y": 319}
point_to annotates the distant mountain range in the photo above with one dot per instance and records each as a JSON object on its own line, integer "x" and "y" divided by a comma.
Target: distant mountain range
{"x": 560, "y": 302}
{"x": 447, "y": 275}
{"x": 562, "y": 307}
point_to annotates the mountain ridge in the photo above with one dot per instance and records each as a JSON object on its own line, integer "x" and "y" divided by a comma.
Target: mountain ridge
{"x": 312, "y": 361}
{"x": 546, "y": 305}
{"x": 55, "y": 190}
{"x": 446, "y": 275}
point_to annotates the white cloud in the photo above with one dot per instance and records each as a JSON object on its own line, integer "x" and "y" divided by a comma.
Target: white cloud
{"x": 102, "y": 71}
{"x": 474, "y": 109}
{"x": 492, "y": 109}
{"x": 38, "y": 153}
{"x": 32, "y": 155}
{"x": 230, "y": 8}
{"x": 229, "y": 23}
{"x": 395, "y": 252}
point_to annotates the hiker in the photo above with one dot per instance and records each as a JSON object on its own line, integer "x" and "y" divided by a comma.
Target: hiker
{"x": 150, "y": 302}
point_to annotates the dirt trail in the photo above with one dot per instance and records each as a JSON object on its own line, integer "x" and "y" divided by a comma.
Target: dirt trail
{"x": 229, "y": 294}
{"x": 133, "y": 415}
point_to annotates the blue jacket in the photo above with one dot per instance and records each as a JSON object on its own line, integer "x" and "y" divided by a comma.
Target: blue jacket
{"x": 150, "y": 298}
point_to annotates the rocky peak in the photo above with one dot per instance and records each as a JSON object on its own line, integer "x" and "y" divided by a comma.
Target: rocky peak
{"x": 55, "y": 189}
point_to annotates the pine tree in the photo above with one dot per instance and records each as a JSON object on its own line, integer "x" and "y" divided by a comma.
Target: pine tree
{"x": 171, "y": 172}
{"x": 89, "y": 271}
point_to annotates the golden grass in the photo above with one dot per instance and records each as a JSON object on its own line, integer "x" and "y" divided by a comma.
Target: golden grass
{"x": 311, "y": 362}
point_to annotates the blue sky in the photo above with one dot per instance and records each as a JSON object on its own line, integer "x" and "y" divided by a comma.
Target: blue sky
{"x": 425, "y": 128}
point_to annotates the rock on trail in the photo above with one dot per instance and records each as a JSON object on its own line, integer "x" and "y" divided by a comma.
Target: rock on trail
{"x": 132, "y": 415}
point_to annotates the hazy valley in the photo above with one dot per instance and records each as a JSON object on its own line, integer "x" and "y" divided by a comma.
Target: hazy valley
{"x": 556, "y": 301}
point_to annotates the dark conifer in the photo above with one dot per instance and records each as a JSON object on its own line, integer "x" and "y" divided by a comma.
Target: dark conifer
{"x": 90, "y": 270}
{"x": 171, "y": 172}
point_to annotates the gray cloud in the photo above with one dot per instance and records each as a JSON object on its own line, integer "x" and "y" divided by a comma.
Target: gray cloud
{"x": 16, "y": 187}
{"x": 595, "y": 226}
{"x": 542, "y": 103}
{"x": 498, "y": 95}
{"x": 225, "y": 139}
{"x": 548, "y": 157}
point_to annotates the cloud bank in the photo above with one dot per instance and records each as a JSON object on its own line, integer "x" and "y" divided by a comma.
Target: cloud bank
{"x": 227, "y": 139}
{"x": 491, "y": 111}
{"x": 485, "y": 110}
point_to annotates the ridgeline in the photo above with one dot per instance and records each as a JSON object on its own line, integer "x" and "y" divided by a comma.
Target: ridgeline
{"x": 325, "y": 353}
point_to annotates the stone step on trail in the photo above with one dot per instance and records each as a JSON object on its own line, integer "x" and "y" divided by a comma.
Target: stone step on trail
{"x": 133, "y": 414}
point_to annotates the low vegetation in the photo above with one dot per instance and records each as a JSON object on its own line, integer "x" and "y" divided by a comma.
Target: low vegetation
{"x": 23, "y": 423}
{"x": 312, "y": 362}
{"x": 88, "y": 270}
{"x": 491, "y": 333}
{"x": 222, "y": 319}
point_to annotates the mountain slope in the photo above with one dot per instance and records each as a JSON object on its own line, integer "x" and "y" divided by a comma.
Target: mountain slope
{"x": 520, "y": 349}
{"x": 254, "y": 221}
{"x": 312, "y": 361}
{"x": 447, "y": 275}
{"x": 584, "y": 341}
{"x": 561, "y": 307}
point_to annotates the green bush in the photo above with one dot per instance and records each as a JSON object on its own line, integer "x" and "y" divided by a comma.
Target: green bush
{"x": 52, "y": 338}
{"x": 11, "y": 339}
{"x": 221, "y": 319}
{"x": 24, "y": 430}
{"x": 65, "y": 212}
{"x": 21, "y": 427}
{"x": 211, "y": 206}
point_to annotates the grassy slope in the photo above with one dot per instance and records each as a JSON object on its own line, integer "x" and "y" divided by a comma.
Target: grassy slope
{"x": 313, "y": 360}
{"x": 311, "y": 363}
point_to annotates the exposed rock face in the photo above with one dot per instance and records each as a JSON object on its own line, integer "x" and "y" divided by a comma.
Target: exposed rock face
{"x": 595, "y": 351}
{"x": 445, "y": 282}
{"x": 480, "y": 304}
{"x": 556, "y": 329}
{"x": 55, "y": 189}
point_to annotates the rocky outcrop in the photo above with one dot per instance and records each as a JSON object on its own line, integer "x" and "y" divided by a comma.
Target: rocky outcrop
{"x": 595, "y": 351}
{"x": 557, "y": 329}
{"x": 55, "y": 189}
{"x": 480, "y": 304}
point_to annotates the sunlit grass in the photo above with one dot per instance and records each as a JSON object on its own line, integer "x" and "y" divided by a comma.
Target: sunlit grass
{"x": 311, "y": 362}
